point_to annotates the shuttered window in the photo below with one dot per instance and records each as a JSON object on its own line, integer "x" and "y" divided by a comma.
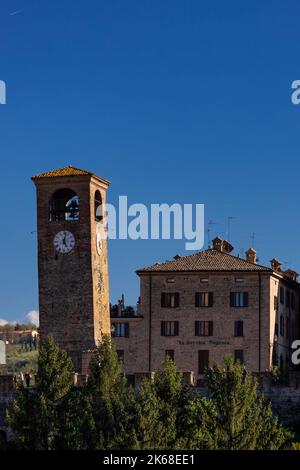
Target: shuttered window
{"x": 281, "y": 325}
{"x": 288, "y": 298}
{"x": 169, "y": 328}
{"x": 120, "y": 330}
{"x": 170, "y": 299}
{"x": 203, "y": 361}
{"x": 121, "y": 355}
{"x": 204, "y": 328}
{"x": 281, "y": 294}
{"x": 170, "y": 353}
{"x": 292, "y": 300}
{"x": 204, "y": 299}
{"x": 239, "y": 299}
{"x": 239, "y": 355}
{"x": 239, "y": 328}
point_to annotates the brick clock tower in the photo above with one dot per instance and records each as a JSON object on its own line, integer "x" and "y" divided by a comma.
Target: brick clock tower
{"x": 72, "y": 260}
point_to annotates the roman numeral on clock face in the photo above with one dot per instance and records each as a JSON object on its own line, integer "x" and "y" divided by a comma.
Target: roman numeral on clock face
{"x": 64, "y": 241}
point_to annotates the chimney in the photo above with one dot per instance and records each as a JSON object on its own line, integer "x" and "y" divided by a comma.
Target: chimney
{"x": 276, "y": 264}
{"x": 291, "y": 274}
{"x": 217, "y": 243}
{"x": 227, "y": 247}
{"x": 222, "y": 245}
{"x": 251, "y": 255}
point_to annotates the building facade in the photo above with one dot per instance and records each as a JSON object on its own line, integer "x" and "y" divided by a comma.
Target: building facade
{"x": 200, "y": 308}
{"x": 18, "y": 336}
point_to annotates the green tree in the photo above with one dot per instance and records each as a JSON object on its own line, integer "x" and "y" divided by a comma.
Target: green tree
{"x": 76, "y": 428}
{"x": 34, "y": 415}
{"x": 242, "y": 420}
{"x": 107, "y": 392}
{"x": 198, "y": 420}
{"x": 168, "y": 386}
{"x": 166, "y": 414}
{"x": 163, "y": 414}
{"x": 187, "y": 419}
{"x": 145, "y": 423}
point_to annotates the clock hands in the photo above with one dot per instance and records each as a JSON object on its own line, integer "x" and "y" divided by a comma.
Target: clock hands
{"x": 64, "y": 241}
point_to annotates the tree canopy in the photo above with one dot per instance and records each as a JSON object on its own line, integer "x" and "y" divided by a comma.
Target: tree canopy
{"x": 163, "y": 413}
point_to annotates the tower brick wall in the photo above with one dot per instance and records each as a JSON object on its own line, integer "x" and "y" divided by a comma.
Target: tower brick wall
{"x": 73, "y": 286}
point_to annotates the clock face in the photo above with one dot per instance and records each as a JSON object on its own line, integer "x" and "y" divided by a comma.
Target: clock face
{"x": 64, "y": 241}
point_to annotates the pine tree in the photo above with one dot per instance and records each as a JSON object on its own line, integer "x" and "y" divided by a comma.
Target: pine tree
{"x": 34, "y": 416}
{"x": 168, "y": 388}
{"x": 106, "y": 388}
{"x": 196, "y": 425}
{"x": 76, "y": 428}
{"x": 146, "y": 425}
{"x": 243, "y": 421}
{"x": 186, "y": 418}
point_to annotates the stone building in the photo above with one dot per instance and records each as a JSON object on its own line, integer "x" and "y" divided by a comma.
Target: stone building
{"x": 18, "y": 336}
{"x": 72, "y": 260}
{"x": 199, "y": 308}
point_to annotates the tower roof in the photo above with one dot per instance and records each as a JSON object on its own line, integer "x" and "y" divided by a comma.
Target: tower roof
{"x": 67, "y": 171}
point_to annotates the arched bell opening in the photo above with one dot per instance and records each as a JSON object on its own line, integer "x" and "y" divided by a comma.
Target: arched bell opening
{"x": 64, "y": 205}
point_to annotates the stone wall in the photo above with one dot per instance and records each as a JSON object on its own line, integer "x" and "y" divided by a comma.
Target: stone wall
{"x": 73, "y": 287}
{"x": 285, "y": 403}
{"x": 223, "y": 342}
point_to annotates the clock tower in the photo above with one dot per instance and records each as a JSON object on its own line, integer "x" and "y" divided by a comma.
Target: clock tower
{"x": 72, "y": 259}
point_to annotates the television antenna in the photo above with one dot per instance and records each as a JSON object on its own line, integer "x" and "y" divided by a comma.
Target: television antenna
{"x": 253, "y": 238}
{"x": 209, "y": 230}
{"x": 229, "y": 220}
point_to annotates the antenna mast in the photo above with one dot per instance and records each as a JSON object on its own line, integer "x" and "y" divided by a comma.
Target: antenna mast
{"x": 230, "y": 218}
{"x": 210, "y": 224}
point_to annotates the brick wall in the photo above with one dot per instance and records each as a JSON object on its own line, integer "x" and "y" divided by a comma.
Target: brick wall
{"x": 139, "y": 350}
{"x": 73, "y": 287}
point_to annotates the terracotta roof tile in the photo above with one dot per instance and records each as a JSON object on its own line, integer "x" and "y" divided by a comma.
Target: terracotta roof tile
{"x": 206, "y": 260}
{"x": 66, "y": 171}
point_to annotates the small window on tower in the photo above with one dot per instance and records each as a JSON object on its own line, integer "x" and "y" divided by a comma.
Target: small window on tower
{"x": 98, "y": 206}
{"x": 64, "y": 205}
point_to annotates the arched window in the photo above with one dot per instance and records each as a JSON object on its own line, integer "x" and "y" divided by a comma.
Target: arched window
{"x": 98, "y": 206}
{"x": 64, "y": 205}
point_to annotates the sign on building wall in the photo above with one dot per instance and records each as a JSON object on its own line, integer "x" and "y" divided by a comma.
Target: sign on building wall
{"x": 2, "y": 353}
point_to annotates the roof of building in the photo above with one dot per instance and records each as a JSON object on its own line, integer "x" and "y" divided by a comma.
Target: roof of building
{"x": 66, "y": 171}
{"x": 17, "y": 332}
{"x": 206, "y": 260}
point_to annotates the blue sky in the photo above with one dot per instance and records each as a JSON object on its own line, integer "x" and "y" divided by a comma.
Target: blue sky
{"x": 171, "y": 100}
